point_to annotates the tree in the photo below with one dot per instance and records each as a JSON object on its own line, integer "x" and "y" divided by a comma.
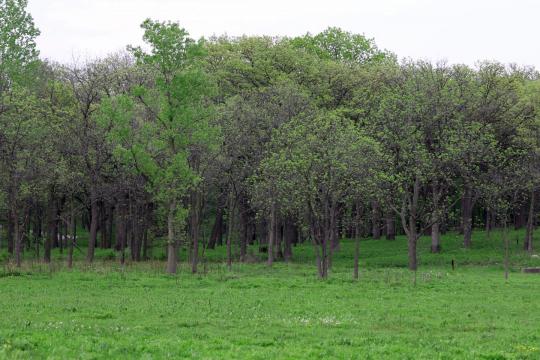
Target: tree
{"x": 530, "y": 132}
{"x": 342, "y": 46}
{"x": 316, "y": 164}
{"x": 178, "y": 124}
{"x": 18, "y": 110}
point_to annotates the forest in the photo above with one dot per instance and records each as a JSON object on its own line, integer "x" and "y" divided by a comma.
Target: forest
{"x": 322, "y": 150}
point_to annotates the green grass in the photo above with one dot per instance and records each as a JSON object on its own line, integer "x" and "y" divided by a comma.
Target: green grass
{"x": 253, "y": 312}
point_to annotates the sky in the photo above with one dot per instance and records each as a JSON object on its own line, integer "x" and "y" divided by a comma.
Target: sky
{"x": 458, "y": 31}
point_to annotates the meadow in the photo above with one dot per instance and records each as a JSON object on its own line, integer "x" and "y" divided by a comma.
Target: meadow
{"x": 108, "y": 311}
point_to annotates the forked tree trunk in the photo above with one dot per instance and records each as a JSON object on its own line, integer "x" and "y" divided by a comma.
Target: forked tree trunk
{"x": 172, "y": 243}
{"x": 409, "y": 225}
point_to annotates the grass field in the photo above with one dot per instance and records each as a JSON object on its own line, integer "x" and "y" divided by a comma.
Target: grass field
{"x": 284, "y": 312}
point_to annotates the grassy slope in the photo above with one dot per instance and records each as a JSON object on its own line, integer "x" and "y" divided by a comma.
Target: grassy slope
{"x": 104, "y": 311}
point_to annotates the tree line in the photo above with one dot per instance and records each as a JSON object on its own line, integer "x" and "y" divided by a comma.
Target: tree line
{"x": 235, "y": 141}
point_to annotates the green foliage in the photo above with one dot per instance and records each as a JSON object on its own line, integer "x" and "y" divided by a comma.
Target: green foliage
{"x": 18, "y": 50}
{"x": 181, "y": 112}
{"x": 338, "y": 45}
{"x": 316, "y": 160}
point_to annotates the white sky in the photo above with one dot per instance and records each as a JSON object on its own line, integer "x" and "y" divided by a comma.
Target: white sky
{"x": 460, "y": 31}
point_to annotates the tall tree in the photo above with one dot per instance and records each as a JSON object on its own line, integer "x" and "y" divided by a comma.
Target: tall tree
{"x": 179, "y": 122}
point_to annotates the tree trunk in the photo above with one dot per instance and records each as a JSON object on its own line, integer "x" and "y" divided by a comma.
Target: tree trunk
{"x": 288, "y": 236}
{"x": 390, "y": 227}
{"x": 217, "y": 229}
{"x": 375, "y": 220}
{"x": 467, "y": 207}
{"x": 103, "y": 225}
{"x": 506, "y": 250}
{"x": 172, "y": 243}
{"x": 244, "y": 223}
{"x": 412, "y": 241}
{"x": 410, "y": 226}
{"x": 53, "y": 229}
{"x": 18, "y": 237}
{"x": 10, "y": 233}
{"x": 278, "y": 239}
{"x": 528, "y": 245}
{"x": 435, "y": 233}
{"x": 271, "y": 234}
{"x": 230, "y": 227}
{"x": 94, "y": 208}
{"x": 488, "y": 222}
{"x": 520, "y": 217}
{"x": 110, "y": 226}
{"x": 195, "y": 222}
{"x": 71, "y": 242}
{"x": 357, "y": 242}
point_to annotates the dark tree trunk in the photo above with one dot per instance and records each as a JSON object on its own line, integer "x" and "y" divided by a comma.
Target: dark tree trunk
{"x": 488, "y": 222}
{"x": 94, "y": 207}
{"x": 53, "y": 229}
{"x": 412, "y": 241}
{"x": 375, "y": 220}
{"x": 410, "y": 226}
{"x": 435, "y": 232}
{"x": 10, "y": 233}
{"x": 37, "y": 230}
{"x": 217, "y": 229}
{"x": 278, "y": 238}
{"x": 147, "y": 248}
{"x": 73, "y": 239}
{"x": 357, "y": 241}
{"x": 520, "y": 217}
{"x": 121, "y": 226}
{"x": 271, "y": 234}
{"x": 103, "y": 226}
{"x": 506, "y": 249}
{"x": 172, "y": 243}
{"x": 466, "y": 211}
{"x": 110, "y": 226}
{"x": 244, "y": 223}
{"x": 289, "y": 235}
{"x": 18, "y": 234}
{"x": 390, "y": 227}
{"x": 230, "y": 228}
{"x": 528, "y": 245}
{"x": 195, "y": 223}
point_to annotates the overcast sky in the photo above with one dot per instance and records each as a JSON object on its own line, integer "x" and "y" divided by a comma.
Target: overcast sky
{"x": 460, "y": 31}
